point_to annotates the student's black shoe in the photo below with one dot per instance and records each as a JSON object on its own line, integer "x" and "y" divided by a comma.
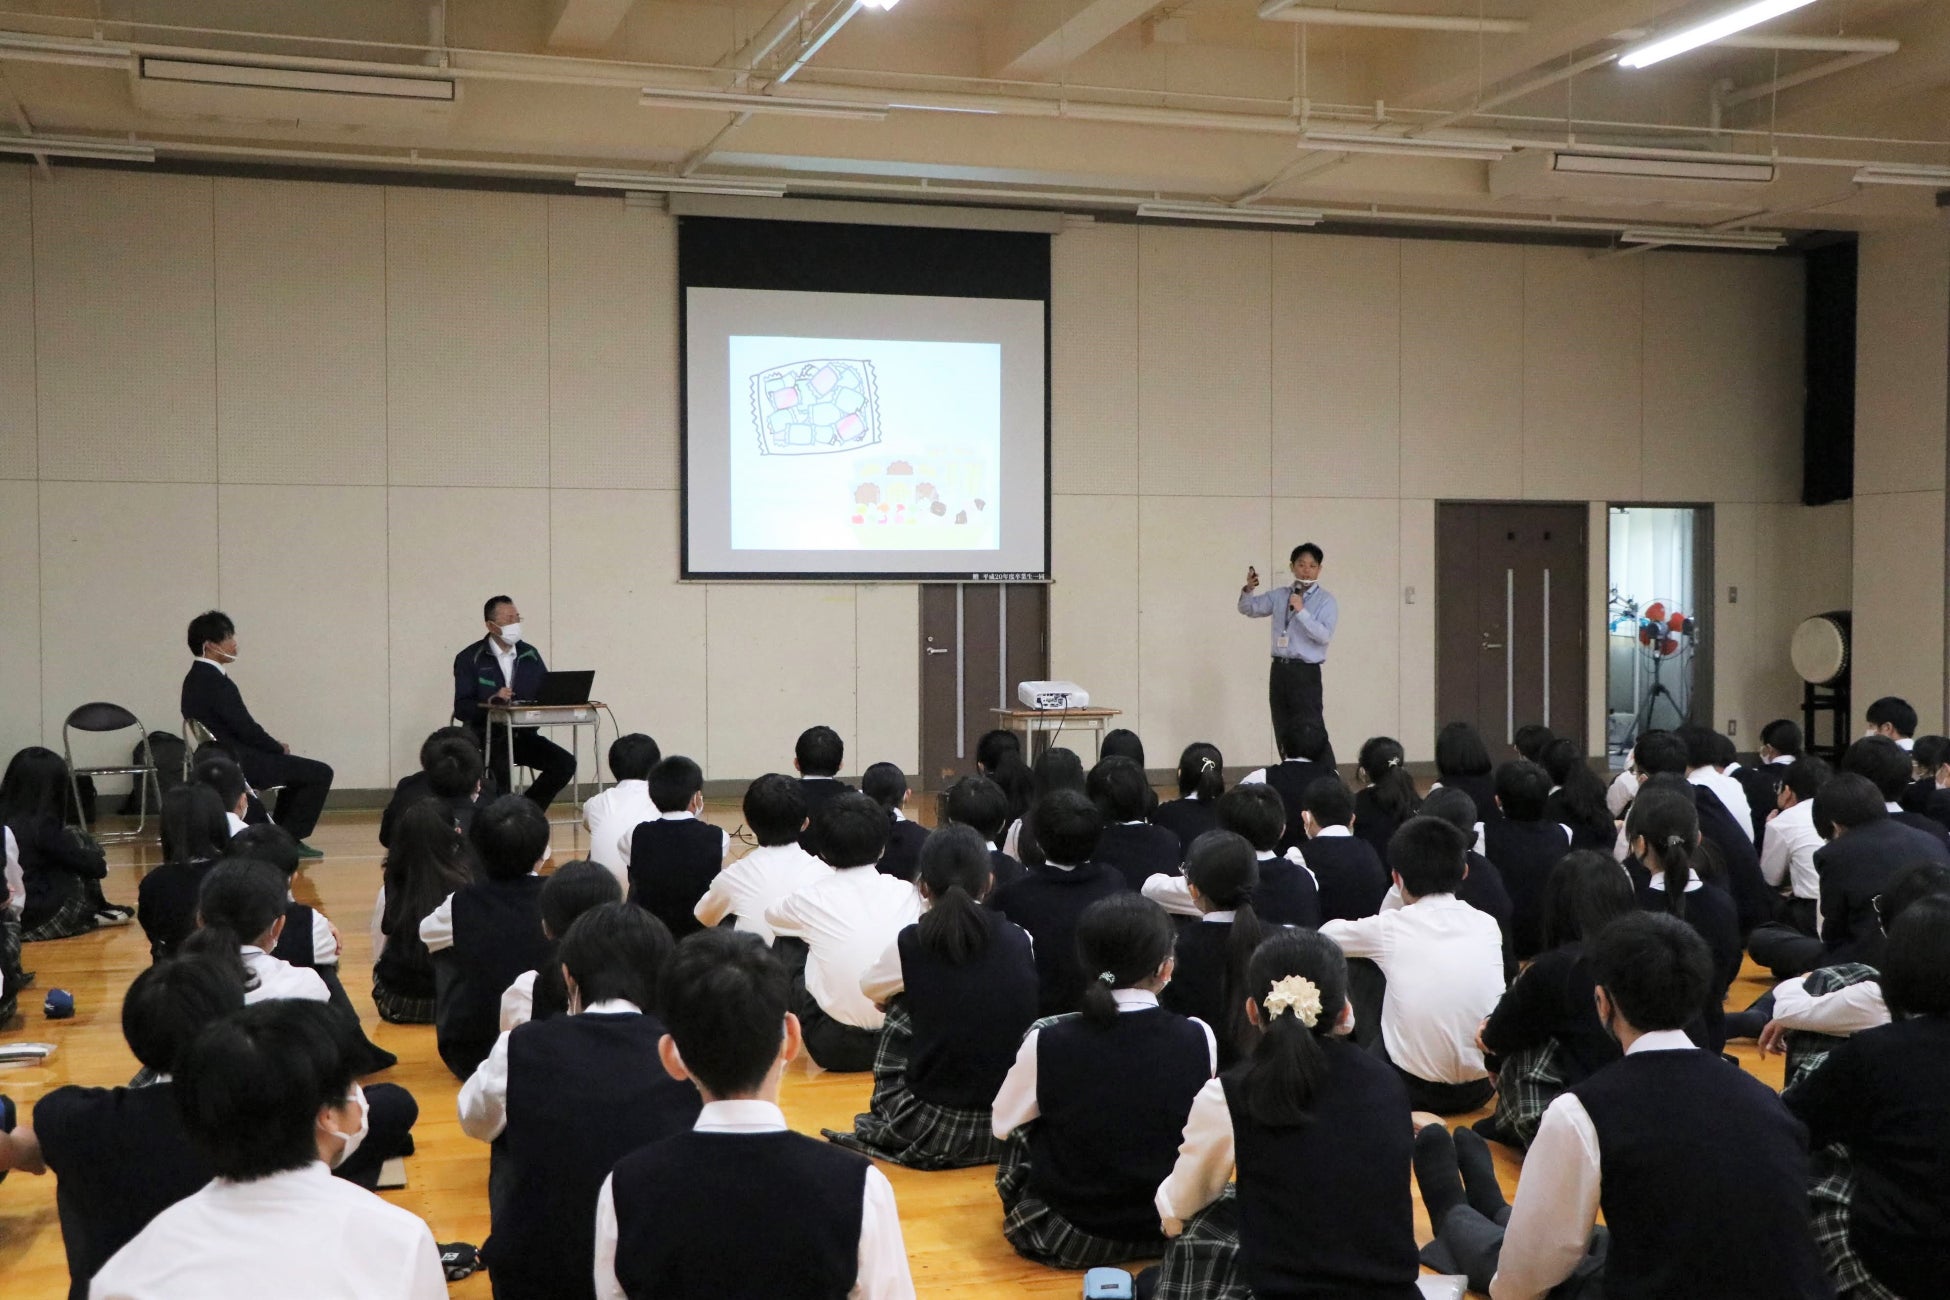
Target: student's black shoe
{"x": 459, "y": 1260}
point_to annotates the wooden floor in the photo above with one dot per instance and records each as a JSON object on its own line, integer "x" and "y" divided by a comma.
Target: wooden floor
{"x": 951, "y": 1220}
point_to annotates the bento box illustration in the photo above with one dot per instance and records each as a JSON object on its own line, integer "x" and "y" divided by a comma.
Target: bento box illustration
{"x": 809, "y": 408}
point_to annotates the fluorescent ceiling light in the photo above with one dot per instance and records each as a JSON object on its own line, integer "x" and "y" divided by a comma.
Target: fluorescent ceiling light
{"x": 1685, "y": 169}
{"x": 1481, "y": 150}
{"x": 55, "y": 147}
{"x": 882, "y": 5}
{"x": 650, "y": 181}
{"x": 731, "y": 101}
{"x": 1690, "y": 237}
{"x": 1220, "y": 212}
{"x": 1725, "y": 24}
{"x": 259, "y": 77}
{"x": 1904, "y": 174}
{"x": 53, "y": 49}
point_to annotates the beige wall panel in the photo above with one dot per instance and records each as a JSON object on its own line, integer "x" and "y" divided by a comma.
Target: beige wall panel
{"x": 1094, "y": 360}
{"x": 619, "y": 609}
{"x": 324, "y": 704}
{"x": 301, "y": 332}
{"x": 1903, "y": 331}
{"x": 1336, "y": 366}
{"x": 447, "y": 550}
{"x": 1417, "y": 561}
{"x": 1803, "y": 568}
{"x": 887, "y": 678}
{"x": 1361, "y": 684}
{"x": 1093, "y": 604}
{"x": 1462, "y": 369}
{"x": 1734, "y": 632}
{"x": 18, "y": 453}
{"x": 1204, "y": 665}
{"x": 782, "y": 659}
{"x": 1898, "y": 628}
{"x": 124, "y": 327}
{"x": 1581, "y": 359}
{"x": 20, "y": 597}
{"x": 1204, "y": 361}
{"x": 612, "y": 344}
{"x": 1723, "y": 379}
{"x": 467, "y": 338}
{"x": 1597, "y": 599}
{"x": 124, "y": 567}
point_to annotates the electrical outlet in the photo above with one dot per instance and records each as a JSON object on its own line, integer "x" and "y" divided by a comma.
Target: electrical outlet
{"x": 1733, "y": 726}
{"x": 1408, "y": 595}
{"x": 1733, "y": 595}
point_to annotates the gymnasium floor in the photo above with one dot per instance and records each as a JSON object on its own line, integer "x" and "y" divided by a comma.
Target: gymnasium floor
{"x": 951, "y": 1220}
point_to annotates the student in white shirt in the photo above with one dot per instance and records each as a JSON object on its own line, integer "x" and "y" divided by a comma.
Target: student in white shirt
{"x": 775, "y": 813}
{"x": 1442, "y": 961}
{"x": 570, "y": 890}
{"x": 240, "y": 910}
{"x": 687, "y": 1218}
{"x": 612, "y": 817}
{"x": 268, "y": 1097}
{"x": 1789, "y": 842}
{"x": 12, "y": 978}
{"x": 846, "y": 921}
{"x": 1702, "y": 747}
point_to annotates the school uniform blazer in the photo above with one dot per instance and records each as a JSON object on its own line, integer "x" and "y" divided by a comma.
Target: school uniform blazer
{"x": 1854, "y": 868}
{"x": 213, "y": 699}
{"x": 477, "y": 676}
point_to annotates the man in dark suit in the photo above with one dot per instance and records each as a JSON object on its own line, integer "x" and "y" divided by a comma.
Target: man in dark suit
{"x": 212, "y": 699}
{"x": 499, "y": 668}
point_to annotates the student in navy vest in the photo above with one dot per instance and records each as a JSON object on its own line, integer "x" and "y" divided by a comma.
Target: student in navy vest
{"x": 565, "y": 1098}
{"x": 959, "y": 989}
{"x": 502, "y": 668}
{"x": 1201, "y": 781}
{"x": 1524, "y": 846}
{"x": 1351, "y": 879}
{"x": 1888, "y": 769}
{"x": 195, "y": 834}
{"x": 981, "y": 805}
{"x": 817, "y": 756}
{"x": 1577, "y": 797}
{"x": 452, "y": 771}
{"x": 1093, "y": 1107}
{"x": 1662, "y": 830}
{"x": 570, "y": 890}
{"x": 1319, "y": 1133}
{"x": 673, "y": 859}
{"x": 427, "y": 862}
{"x": 1287, "y": 893}
{"x": 1304, "y": 759}
{"x": 1304, "y": 618}
{"x": 740, "y": 1205}
{"x": 1130, "y": 844}
{"x": 886, "y": 785}
{"x": 1048, "y": 901}
{"x": 486, "y": 933}
{"x": 1462, "y": 762}
{"x": 1387, "y": 796}
{"x": 1209, "y": 979}
{"x": 1056, "y": 768}
{"x": 212, "y": 699}
{"x": 1663, "y": 753}
{"x": 1681, "y": 1151}
{"x": 1122, "y": 742}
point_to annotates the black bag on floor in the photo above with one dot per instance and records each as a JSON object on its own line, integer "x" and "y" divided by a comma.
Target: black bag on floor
{"x": 167, "y": 753}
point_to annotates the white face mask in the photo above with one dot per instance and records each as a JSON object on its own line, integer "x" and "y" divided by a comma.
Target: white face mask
{"x": 353, "y": 1139}
{"x": 511, "y": 633}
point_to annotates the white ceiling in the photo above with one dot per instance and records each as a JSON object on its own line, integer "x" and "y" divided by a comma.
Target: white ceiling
{"x": 1102, "y": 103}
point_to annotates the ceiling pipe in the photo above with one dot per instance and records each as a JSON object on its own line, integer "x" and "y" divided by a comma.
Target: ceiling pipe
{"x": 825, "y": 32}
{"x": 1286, "y": 11}
{"x": 1735, "y": 98}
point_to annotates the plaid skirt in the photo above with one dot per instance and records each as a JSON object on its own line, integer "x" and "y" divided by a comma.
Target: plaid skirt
{"x": 75, "y": 914}
{"x": 10, "y": 976}
{"x": 1041, "y": 1234}
{"x": 1807, "y": 1049}
{"x": 1528, "y": 1082}
{"x": 1202, "y": 1262}
{"x": 900, "y": 1127}
{"x": 398, "y": 1009}
{"x": 1830, "y": 1197}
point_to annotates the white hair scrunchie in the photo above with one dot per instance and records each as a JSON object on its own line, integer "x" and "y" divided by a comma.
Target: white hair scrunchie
{"x": 1296, "y": 994}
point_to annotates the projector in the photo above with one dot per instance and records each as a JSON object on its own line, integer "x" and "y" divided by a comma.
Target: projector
{"x": 1052, "y": 695}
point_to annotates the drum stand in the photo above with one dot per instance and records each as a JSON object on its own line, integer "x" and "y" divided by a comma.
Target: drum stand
{"x": 1832, "y": 699}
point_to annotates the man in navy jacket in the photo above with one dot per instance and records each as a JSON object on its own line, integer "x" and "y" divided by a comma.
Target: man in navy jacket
{"x": 498, "y": 668}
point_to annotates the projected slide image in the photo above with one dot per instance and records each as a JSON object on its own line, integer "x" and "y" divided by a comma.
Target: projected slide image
{"x": 812, "y": 407}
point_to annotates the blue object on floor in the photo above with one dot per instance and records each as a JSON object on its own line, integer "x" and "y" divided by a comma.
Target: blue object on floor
{"x": 59, "y": 1004}
{"x": 1107, "y": 1284}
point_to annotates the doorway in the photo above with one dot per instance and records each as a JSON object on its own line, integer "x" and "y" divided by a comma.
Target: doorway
{"x": 1510, "y": 616}
{"x": 977, "y": 641}
{"x": 1657, "y": 672}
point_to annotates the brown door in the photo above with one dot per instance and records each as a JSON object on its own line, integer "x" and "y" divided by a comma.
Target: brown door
{"x": 1510, "y": 615}
{"x": 977, "y": 641}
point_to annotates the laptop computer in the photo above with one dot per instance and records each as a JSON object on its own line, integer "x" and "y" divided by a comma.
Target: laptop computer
{"x": 560, "y": 688}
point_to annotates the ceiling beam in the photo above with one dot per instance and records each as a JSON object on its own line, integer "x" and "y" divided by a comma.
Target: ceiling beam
{"x": 584, "y": 24}
{"x": 1866, "y": 93}
{"x": 1036, "y": 38}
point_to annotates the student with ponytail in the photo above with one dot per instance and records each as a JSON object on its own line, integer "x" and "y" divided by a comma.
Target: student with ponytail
{"x": 1319, "y": 1133}
{"x": 1210, "y": 979}
{"x": 959, "y": 987}
{"x": 1387, "y": 796}
{"x": 1662, "y": 830}
{"x": 1201, "y": 780}
{"x": 1093, "y": 1107}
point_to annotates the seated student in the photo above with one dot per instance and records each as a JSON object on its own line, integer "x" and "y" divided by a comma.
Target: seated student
{"x": 1047, "y": 901}
{"x": 673, "y": 859}
{"x": 1893, "y": 718}
{"x": 1888, "y": 769}
{"x": 817, "y": 756}
{"x": 427, "y": 862}
{"x": 1924, "y": 760}
{"x": 1351, "y": 878}
{"x": 570, "y": 890}
{"x": 270, "y": 1100}
{"x": 1305, "y": 757}
{"x": 488, "y": 931}
{"x": 222, "y": 775}
{"x": 1705, "y": 748}
{"x": 611, "y": 818}
{"x": 1122, "y": 742}
{"x": 1094, "y": 1105}
{"x": 12, "y": 978}
{"x": 1577, "y": 797}
{"x": 1130, "y": 844}
{"x": 452, "y": 771}
{"x": 959, "y": 988}
{"x": 1056, "y": 768}
{"x": 1524, "y": 848}
{"x": 563, "y": 1099}
{"x": 998, "y": 757}
{"x": 1201, "y": 780}
{"x": 1663, "y": 832}
{"x": 1884, "y": 1095}
{"x": 1482, "y": 884}
{"x": 194, "y": 836}
{"x": 741, "y": 1205}
{"x": 980, "y": 804}
{"x": 1789, "y": 842}
{"x": 846, "y": 921}
{"x": 240, "y": 916}
{"x": 1530, "y": 740}
{"x": 1661, "y": 753}
{"x": 120, "y": 1156}
{"x": 1680, "y": 1152}
{"x": 1209, "y": 980}
{"x": 1319, "y": 1133}
{"x": 1456, "y": 1176}
{"x": 775, "y": 812}
{"x": 61, "y": 868}
{"x": 1287, "y": 893}
{"x": 1441, "y": 961}
{"x": 1462, "y": 762}
{"x": 1544, "y": 1036}
{"x": 886, "y": 785}
{"x": 1387, "y": 796}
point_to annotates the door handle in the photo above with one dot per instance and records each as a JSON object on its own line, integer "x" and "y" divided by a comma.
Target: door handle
{"x": 1487, "y": 645}
{"x": 937, "y": 650}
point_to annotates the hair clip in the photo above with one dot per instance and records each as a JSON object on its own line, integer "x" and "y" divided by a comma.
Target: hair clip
{"x": 1107, "y": 977}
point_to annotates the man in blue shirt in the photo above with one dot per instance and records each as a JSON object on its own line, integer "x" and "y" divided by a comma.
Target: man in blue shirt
{"x": 1304, "y": 617}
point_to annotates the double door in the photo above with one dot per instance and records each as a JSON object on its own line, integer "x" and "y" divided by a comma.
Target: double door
{"x": 977, "y": 641}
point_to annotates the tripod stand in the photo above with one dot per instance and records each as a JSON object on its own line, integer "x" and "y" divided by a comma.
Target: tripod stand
{"x": 1642, "y": 721}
